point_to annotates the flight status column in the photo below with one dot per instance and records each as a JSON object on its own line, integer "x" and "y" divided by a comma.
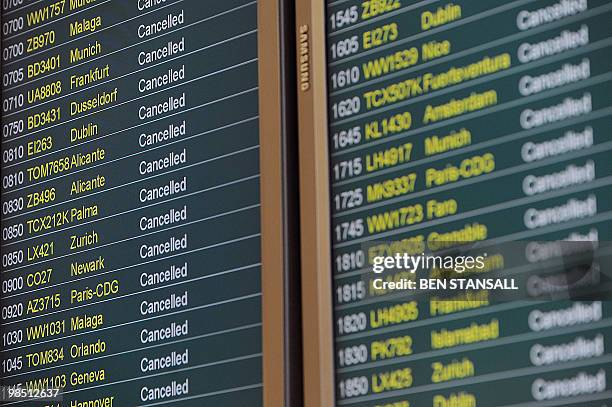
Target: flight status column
{"x": 130, "y": 202}
{"x": 469, "y": 122}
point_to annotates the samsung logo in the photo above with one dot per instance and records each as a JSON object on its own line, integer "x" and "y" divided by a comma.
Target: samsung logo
{"x": 304, "y": 47}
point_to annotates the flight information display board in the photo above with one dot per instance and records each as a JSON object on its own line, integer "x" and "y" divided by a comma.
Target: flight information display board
{"x": 467, "y": 122}
{"x": 130, "y": 196}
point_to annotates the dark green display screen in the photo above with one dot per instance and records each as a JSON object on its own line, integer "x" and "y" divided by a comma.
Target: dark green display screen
{"x": 471, "y": 122}
{"x": 130, "y": 202}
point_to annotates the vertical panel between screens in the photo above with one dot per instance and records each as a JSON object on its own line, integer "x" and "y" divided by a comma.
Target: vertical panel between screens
{"x": 282, "y": 374}
{"x": 317, "y": 310}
